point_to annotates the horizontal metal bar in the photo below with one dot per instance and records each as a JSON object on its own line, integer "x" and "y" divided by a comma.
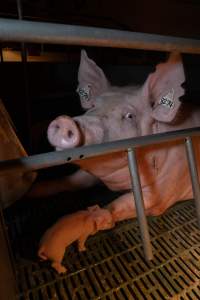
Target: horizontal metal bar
{"x": 139, "y": 204}
{"x": 50, "y": 159}
{"x": 51, "y": 33}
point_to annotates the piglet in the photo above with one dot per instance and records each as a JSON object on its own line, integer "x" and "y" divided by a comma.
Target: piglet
{"x": 70, "y": 228}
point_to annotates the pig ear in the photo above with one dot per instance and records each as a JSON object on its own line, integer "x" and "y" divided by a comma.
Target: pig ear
{"x": 93, "y": 208}
{"x": 163, "y": 88}
{"x": 92, "y": 81}
{"x": 103, "y": 220}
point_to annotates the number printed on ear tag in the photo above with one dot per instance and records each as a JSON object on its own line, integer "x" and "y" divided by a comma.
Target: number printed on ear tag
{"x": 84, "y": 92}
{"x": 168, "y": 100}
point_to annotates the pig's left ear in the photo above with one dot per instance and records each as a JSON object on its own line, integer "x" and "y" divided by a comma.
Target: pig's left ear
{"x": 163, "y": 88}
{"x": 93, "y": 208}
{"x": 92, "y": 81}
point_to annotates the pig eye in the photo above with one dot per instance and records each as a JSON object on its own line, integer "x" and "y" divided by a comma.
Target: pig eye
{"x": 129, "y": 116}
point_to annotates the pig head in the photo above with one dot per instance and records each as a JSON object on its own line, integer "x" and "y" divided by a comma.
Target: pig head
{"x": 114, "y": 113}
{"x": 101, "y": 217}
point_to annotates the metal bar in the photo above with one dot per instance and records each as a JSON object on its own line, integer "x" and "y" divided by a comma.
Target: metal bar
{"x": 51, "y": 33}
{"x": 139, "y": 204}
{"x": 26, "y": 108}
{"x": 19, "y": 9}
{"x": 55, "y": 158}
{"x": 193, "y": 174}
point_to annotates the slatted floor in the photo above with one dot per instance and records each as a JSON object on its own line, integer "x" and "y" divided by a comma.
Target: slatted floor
{"x": 113, "y": 267}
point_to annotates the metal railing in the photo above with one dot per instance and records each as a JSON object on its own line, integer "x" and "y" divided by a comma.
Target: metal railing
{"x": 39, "y": 161}
{"x": 51, "y": 33}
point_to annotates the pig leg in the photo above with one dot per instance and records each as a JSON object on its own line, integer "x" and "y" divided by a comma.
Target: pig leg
{"x": 124, "y": 207}
{"x": 56, "y": 259}
{"x": 81, "y": 243}
{"x": 56, "y": 256}
{"x": 58, "y": 267}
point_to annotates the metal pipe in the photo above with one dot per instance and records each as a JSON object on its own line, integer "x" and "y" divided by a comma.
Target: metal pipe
{"x": 20, "y": 16}
{"x": 51, "y": 33}
{"x": 26, "y": 107}
{"x": 139, "y": 204}
{"x": 193, "y": 174}
{"x": 50, "y": 159}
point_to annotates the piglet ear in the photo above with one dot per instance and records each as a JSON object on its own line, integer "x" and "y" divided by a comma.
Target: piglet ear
{"x": 93, "y": 208}
{"x": 92, "y": 81}
{"x": 163, "y": 88}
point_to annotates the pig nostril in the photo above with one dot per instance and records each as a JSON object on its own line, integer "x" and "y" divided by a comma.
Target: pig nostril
{"x": 57, "y": 127}
{"x": 70, "y": 134}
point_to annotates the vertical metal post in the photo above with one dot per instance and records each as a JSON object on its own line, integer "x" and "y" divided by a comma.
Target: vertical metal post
{"x": 27, "y": 108}
{"x": 139, "y": 203}
{"x": 193, "y": 174}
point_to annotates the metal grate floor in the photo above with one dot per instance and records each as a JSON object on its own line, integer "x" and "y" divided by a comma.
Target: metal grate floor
{"x": 113, "y": 267}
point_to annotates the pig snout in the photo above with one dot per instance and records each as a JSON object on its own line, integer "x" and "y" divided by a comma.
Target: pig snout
{"x": 63, "y": 133}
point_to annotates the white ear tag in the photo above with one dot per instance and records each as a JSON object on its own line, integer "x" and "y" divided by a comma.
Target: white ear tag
{"x": 84, "y": 93}
{"x": 168, "y": 100}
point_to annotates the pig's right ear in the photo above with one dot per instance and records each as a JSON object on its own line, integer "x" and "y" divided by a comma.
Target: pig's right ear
{"x": 163, "y": 88}
{"x": 92, "y": 81}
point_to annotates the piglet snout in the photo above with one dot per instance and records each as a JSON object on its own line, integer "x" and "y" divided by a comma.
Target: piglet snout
{"x": 63, "y": 133}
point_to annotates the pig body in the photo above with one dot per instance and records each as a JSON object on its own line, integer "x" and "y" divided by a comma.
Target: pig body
{"x": 114, "y": 113}
{"x": 70, "y": 228}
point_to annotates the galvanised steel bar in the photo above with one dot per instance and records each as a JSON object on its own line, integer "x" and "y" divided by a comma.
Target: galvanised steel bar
{"x": 139, "y": 204}
{"x": 50, "y": 159}
{"x": 51, "y": 33}
{"x": 193, "y": 174}
{"x": 26, "y": 106}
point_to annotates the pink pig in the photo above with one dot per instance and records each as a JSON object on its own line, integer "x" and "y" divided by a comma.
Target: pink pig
{"x": 114, "y": 113}
{"x": 68, "y": 229}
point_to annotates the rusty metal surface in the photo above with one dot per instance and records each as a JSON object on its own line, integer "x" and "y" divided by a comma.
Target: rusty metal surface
{"x": 113, "y": 267}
